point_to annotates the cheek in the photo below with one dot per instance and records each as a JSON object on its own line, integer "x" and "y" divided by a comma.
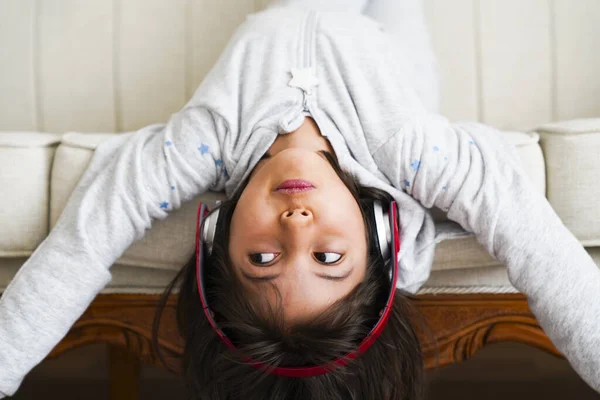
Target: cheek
{"x": 343, "y": 207}
{"x": 345, "y": 213}
{"x": 248, "y": 209}
{"x": 252, "y": 218}
{"x": 245, "y": 222}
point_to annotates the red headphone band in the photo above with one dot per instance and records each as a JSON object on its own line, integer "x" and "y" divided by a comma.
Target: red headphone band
{"x": 303, "y": 372}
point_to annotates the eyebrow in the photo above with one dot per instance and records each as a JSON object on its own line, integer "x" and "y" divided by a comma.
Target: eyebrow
{"x": 336, "y": 278}
{"x": 274, "y": 276}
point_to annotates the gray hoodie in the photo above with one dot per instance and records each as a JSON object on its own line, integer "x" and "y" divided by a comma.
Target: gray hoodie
{"x": 280, "y": 66}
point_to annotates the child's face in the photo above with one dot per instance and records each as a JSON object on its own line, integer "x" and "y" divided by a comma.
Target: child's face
{"x": 311, "y": 245}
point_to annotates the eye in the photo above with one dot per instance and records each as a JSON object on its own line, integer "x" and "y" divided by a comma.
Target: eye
{"x": 327, "y": 258}
{"x": 262, "y": 258}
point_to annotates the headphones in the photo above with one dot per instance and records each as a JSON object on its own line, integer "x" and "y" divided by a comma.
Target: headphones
{"x": 388, "y": 245}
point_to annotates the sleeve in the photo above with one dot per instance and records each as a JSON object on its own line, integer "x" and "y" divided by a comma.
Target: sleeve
{"x": 473, "y": 173}
{"x": 131, "y": 180}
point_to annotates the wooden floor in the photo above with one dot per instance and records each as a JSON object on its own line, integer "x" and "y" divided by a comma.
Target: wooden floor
{"x": 500, "y": 371}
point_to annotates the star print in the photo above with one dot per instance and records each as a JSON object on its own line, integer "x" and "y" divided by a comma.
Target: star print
{"x": 435, "y": 148}
{"x": 471, "y": 142}
{"x": 168, "y": 143}
{"x": 416, "y": 165}
{"x": 303, "y": 78}
{"x": 407, "y": 183}
{"x": 443, "y": 187}
{"x": 218, "y": 163}
{"x": 164, "y": 205}
{"x": 172, "y": 187}
{"x": 203, "y": 148}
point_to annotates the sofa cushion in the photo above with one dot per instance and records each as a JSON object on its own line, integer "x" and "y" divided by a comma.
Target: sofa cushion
{"x": 572, "y": 152}
{"x": 490, "y": 279}
{"x": 462, "y": 252}
{"x": 125, "y": 278}
{"x": 170, "y": 242}
{"x": 25, "y": 163}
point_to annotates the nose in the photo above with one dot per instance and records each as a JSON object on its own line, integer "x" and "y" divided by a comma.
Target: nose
{"x": 296, "y": 217}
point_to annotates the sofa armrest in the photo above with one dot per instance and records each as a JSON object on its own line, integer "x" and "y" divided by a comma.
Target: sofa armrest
{"x": 25, "y": 164}
{"x": 572, "y": 154}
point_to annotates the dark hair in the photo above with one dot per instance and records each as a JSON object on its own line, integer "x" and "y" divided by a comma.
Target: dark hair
{"x": 392, "y": 368}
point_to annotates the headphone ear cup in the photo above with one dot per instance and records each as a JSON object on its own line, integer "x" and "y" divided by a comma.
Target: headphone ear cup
{"x": 209, "y": 230}
{"x": 383, "y": 229}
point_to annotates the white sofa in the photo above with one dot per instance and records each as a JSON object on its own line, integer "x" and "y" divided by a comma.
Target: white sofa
{"x": 39, "y": 171}
{"x": 118, "y": 66}
{"x": 72, "y": 73}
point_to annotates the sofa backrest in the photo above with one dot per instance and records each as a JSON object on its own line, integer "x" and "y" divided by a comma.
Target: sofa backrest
{"x": 118, "y": 65}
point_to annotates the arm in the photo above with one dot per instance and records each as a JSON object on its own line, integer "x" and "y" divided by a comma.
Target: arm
{"x": 131, "y": 180}
{"x": 471, "y": 171}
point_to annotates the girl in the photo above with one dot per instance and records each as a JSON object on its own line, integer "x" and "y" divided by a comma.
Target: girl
{"x": 308, "y": 99}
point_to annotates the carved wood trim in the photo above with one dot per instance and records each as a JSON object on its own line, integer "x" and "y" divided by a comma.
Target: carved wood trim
{"x": 461, "y": 325}
{"x": 457, "y": 326}
{"x": 125, "y": 320}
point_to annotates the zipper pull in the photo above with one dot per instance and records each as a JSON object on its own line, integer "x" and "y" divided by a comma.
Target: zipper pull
{"x": 304, "y": 79}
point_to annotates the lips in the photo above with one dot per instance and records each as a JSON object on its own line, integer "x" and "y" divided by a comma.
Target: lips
{"x": 293, "y": 186}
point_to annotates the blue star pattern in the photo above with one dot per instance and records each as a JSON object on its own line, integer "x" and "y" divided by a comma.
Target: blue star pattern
{"x": 203, "y": 148}
{"x": 168, "y": 143}
{"x": 219, "y": 163}
{"x": 225, "y": 174}
{"x": 164, "y": 205}
{"x": 435, "y": 148}
{"x": 471, "y": 142}
{"x": 443, "y": 187}
{"x": 415, "y": 165}
{"x": 172, "y": 187}
{"x": 406, "y": 183}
